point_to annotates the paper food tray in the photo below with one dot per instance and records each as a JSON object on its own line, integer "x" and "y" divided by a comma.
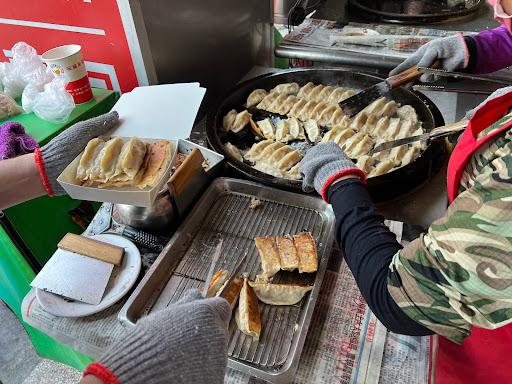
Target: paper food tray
{"x": 122, "y": 195}
{"x": 152, "y": 113}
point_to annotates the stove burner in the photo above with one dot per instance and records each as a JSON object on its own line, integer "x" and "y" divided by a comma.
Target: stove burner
{"x": 415, "y": 11}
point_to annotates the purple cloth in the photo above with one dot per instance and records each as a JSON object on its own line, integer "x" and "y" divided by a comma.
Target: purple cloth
{"x": 14, "y": 141}
{"x": 493, "y": 49}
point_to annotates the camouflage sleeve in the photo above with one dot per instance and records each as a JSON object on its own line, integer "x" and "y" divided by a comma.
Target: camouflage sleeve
{"x": 459, "y": 274}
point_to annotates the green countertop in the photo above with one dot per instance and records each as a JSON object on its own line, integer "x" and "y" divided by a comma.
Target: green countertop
{"x": 42, "y": 131}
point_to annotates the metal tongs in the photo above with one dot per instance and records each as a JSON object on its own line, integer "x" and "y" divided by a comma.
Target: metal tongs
{"x": 481, "y": 85}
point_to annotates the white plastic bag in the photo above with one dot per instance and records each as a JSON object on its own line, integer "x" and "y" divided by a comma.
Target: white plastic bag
{"x": 54, "y": 104}
{"x": 25, "y": 68}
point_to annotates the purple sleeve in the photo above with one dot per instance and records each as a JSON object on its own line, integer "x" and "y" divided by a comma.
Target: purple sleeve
{"x": 493, "y": 49}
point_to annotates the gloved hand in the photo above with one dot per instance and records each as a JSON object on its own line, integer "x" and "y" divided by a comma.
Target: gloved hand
{"x": 184, "y": 343}
{"x": 55, "y": 156}
{"x": 452, "y": 51}
{"x": 494, "y": 95}
{"x": 322, "y": 164}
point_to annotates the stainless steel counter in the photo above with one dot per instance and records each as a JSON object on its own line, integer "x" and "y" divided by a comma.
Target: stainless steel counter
{"x": 336, "y": 10}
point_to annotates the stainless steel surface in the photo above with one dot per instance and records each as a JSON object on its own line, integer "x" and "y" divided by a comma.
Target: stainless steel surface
{"x": 442, "y": 88}
{"x": 210, "y": 42}
{"x": 212, "y": 268}
{"x": 337, "y": 10}
{"x": 461, "y": 75}
{"x": 224, "y": 213}
{"x": 161, "y": 215}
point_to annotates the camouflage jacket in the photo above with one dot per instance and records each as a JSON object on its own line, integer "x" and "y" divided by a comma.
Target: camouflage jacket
{"x": 459, "y": 274}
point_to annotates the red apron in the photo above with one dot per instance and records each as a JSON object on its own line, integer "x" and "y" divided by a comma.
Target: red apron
{"x": 484, "y": 357}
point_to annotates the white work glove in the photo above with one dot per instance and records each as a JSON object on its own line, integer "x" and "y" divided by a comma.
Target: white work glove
{"x": 452, "y": 51}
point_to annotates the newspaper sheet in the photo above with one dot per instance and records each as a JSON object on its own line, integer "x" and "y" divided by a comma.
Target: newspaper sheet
{"x": 395, "y": 40}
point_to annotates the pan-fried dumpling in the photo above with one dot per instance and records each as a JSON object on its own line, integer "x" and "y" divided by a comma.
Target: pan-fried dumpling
{"x": 217, "y": 281}
{"x": 296, "y": 130}
{"x": 234, "y": 151}
{"x": 255, "y": 97}
{"x": 370, "y": 124}
{"x": 406, "y": 129}
{"x": 389, "y": 109}
{"x": 344, "y": 135}
{"x": 287, "y": 253}
{"x": 247, "y": 314}
{"x": 276, "y": 104}
{"x": 338, "y": 117}
{"x": 297, "y": 107}
{"x": 407, "y": 112}
{"x": 293, "y": 173}
{"x": 306, "y": 250}
{"x": 365, "y": 164}
{"x": 268, "y": 151}
{"x": 317, "y": 111}
{"x": 347, "y": 94}
{"x": 241, "y": 120}
{"x": 286, "y": 89}
{"x": 130, "y": 159}
{"x": 393, "y": 128}
{"x": 422, "y": 144}
{"x": 329, "y": 136}
{"x": 88, "y": 158}
{"x": 267, "y": 128}
{"x": 280, "y": 294}
{"x": 327, "y": 113}
{"x": 382, "y": 168}
{"x": 270, "y": 262}
{"x": 233, "y": 291}
{"x": 283, "y": 132}
{"x": 307, "y": 110}
{"x": 376, "y": 106}
{"x": 289, "y": 160}
{"x": 256, "y": 149}
{"x": 313, "y": 95}
{"x": 287, "y": 105}
{"x": 380, "y": 127}
{"x": 324, "y": 94}
{"x": 411, "y": 155}
{"x": 362, "y": 148}
{"x": 105, "y": 164}
{"x": 359, "y": 120}
{"x": 351, "y": 143}
{"x": 278, "y": 155}
{"x": 267, "y": 168}
{"x": 305, "y": 90}
{"x": 396, "y": 154}
{"x": 312, "y": 129}
{"x": 267, "y": 100}
{"x": 335, "y": 96}
{"x": 228, "y": 120}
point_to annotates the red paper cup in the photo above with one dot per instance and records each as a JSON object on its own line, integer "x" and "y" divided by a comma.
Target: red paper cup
{"x": 67, "y": 60}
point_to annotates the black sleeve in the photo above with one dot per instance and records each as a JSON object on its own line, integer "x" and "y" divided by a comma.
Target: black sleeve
{"x": 368, "y": 247}
{"x": 470, "y": 43}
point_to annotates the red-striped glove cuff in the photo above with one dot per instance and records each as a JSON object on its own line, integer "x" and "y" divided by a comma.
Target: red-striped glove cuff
{"x": 343, "y": 172}
{"x": 38, "y": 156}
{"x": 101, "y": 372}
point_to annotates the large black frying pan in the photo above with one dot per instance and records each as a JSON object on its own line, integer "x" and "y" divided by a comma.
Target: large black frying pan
{"x": 382, "y": 187}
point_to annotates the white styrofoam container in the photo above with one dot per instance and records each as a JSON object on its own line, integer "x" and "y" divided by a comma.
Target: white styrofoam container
{"x": 152, "y": 113}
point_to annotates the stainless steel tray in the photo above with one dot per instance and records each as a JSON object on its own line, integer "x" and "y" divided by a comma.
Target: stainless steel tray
{"x": 224, "y": 211}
